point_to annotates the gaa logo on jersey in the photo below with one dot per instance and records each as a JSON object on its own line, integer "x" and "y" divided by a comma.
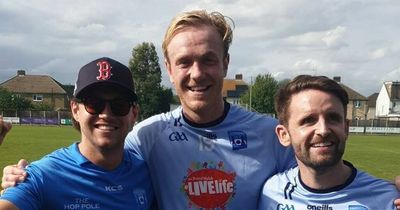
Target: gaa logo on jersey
{"x": 207, "y": 186}
{"x": 285, "y": 207}
{"x": 238, "y": 139}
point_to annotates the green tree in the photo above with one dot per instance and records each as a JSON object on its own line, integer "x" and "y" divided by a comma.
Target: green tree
{"x": 262, "y": 94}
{"x": 42, "y": 106}
{"x": 5, "y": 99}
{"x": 8, "y": 101}
{"x": 152, "y": 97}
{"x": 69, "y": 89}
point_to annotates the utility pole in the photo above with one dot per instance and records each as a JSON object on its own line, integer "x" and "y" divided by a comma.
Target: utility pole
{"x": 251, "y": 86}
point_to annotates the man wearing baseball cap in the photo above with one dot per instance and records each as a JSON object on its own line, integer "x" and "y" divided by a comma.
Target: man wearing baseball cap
{"x": 96, "y": 172}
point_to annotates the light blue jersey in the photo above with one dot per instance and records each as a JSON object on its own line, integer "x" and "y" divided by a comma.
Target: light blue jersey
{"x": 285, "y": 191}
{"x": 220, "y": 165}
{"x": 65, "y": 179}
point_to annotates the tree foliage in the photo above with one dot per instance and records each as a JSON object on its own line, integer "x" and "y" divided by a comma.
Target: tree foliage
{"x": 8, "y": 101}
{"x": 42, "y": 106}
{"x": 152, "y": 97}
{"x": 262, "y": 94}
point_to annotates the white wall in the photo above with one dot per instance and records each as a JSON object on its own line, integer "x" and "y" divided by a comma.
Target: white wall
{"x": 382, "y": 103}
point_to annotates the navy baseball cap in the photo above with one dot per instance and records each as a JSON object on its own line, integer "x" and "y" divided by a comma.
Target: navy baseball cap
{"x": 105, "y": 71}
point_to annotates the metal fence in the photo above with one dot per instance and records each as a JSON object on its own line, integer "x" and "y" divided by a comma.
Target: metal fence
{"x": 38, "y": 117}
{"x": 381, "y": 122}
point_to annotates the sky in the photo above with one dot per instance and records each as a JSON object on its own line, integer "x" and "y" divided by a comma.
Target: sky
{"x": 357, "y": 40}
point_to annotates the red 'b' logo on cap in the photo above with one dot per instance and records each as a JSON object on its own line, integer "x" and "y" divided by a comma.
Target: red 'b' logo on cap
{"x": 104, "y": 70}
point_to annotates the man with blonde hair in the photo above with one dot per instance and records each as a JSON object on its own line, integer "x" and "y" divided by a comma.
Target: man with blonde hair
{"x": 206, "y": 154}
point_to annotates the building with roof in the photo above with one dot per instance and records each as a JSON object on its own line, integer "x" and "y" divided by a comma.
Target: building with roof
{"x": 357, "y": 107}
{"x": 371, "y": 104}
{"x": 388, "y": 100}
{"x": 38, "y": 89}
{"x": 233, "y": 89}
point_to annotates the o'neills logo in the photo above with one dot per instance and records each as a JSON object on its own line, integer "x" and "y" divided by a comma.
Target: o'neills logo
{"x": 208, "y": 186}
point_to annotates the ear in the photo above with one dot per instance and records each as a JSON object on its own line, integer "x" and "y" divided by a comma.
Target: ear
{"x": 74, "y": 110}
{"x": 347, "y": 127}
{"x": 169, "y": 70}
{"x": 283, "y": 135}
{"x": 226, "y": 64}
{"x": 135, "y": 113}
{"x": 133, "y": 116}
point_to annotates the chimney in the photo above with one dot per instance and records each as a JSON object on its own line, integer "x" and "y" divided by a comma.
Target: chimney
{"x": 239, "y": 77}
{"x": 21, "y": 73}
{"x": 337, "y": 79}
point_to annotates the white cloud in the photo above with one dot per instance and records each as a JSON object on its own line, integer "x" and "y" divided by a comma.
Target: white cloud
{"x": 11, "y": 39}
{"x": 349, "y": 38}
{"x": 308, "y": 65}
{"x": 310, "y": 39}
{"x": 378, "y": 53}
{"x": 334, "y": 38}
{"x": 393, "y": 75}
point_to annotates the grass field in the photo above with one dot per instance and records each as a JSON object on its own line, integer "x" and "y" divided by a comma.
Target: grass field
{"x": 378, "y": 155}
{"x": 32, "y": 142}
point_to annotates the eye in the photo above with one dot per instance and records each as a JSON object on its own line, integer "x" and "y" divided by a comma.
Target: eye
{"x": 209, "y": 59}
{"x": 309, "y": 120}
{"x": 184, "y": 63}
{"x": 335, "y": 118}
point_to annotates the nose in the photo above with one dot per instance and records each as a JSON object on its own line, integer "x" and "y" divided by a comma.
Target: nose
{"x": 196, "y": 71}
{"x": 106, "y": 111}
{"x": 322, "y": 128}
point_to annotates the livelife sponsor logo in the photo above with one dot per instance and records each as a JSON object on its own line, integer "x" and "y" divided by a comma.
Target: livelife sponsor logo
{"x": 208, "y": 186}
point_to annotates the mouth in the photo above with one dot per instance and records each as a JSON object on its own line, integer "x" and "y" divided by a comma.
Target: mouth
{"x": 105, "y": 127}
{"x": 322, "y": 144}
{"x": 198, "y": 88}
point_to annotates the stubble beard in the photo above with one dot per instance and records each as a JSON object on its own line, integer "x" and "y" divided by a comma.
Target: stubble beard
{"x": 321, "y": 164}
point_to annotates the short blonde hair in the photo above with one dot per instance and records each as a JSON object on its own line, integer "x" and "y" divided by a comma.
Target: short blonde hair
{"x": 198, "y": 18}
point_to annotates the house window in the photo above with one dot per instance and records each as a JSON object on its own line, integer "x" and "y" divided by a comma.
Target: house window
{"x": 357, "y": 104}
{"x": 37, "y": 97}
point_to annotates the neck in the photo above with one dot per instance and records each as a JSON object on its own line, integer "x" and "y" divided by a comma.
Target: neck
{"x": 205, "y": 115}
{"x": 104, "y": 158}
{"x": 325, "y": 178}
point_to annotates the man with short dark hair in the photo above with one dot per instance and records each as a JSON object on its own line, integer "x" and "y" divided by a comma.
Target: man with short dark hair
{"x": 96, "y": 172}
{"x": 312, "y": 120}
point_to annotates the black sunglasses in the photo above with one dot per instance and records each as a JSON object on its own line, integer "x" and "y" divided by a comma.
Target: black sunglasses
{"x": 94, "y": 106}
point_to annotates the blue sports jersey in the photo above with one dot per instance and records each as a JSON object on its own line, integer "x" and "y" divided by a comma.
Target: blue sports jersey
{"x": 219, "y": 165}
{"x": 285, "y": 191}
{"x": 65, "y": 179}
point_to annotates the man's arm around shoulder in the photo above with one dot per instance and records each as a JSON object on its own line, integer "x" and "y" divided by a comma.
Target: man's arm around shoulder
{"x": 7, "y": 205}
